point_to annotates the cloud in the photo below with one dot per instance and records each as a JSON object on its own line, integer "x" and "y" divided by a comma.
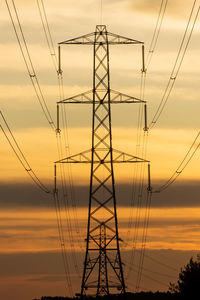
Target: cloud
{"x": 146, "y": 5}
{"x": 30, "y": 263}
{"x": 27, "y": 196}
{"x": 48, "y": 278}
{"x": 20, "y": 195}
{"x": 176, "y": 9}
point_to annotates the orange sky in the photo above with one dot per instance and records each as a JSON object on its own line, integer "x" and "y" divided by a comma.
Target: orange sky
{"x": 30, "y": 240}
{"x": 36, "y": 231}
{"x": 30, "y": 249}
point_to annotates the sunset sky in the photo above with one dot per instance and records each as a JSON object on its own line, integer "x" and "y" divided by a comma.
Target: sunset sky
{"x": 30, "y": 257}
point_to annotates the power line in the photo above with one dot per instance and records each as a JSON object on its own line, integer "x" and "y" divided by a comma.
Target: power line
{"x": 49, "y": 40}
{"x": 144, "y": 238}
{"x": 101, "y": 9}
{"x": 31, "y": 71}
{"x": 149, "y": 194}
{"x": 178, "y": 171}
{"x": 158, "y": 273}
{"x": 139, "y": 127}
{"x": 70, "y": 177}
{"x": 177, "y": 65}
{"x": 187, "y": 158}
{"x": 28, "y": 62}
{"x": 140, "y": 199}
{"x": 66, "y": 207}
{"x": 21, "y": 157}
{"x": 50, "y": 43}
{"x": 152, "y": 47}
{"x": 161, "y": 263}
{"x": 158, "y": 261}
{"x": 151, "y": 278}
{"x": 155, "y": 280}
{"x": 47, "y": 32}
{"x": 138, "y": 192}
{"x": 63, "y": 202}
{"x": 156, "y": 33}
{"x": 65, "y": 195}
{"x": 62, "y": 241}
{"x": 151, "y": 271}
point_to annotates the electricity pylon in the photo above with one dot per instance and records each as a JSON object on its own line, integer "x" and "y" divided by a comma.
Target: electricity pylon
{"x": 103, "y": 268}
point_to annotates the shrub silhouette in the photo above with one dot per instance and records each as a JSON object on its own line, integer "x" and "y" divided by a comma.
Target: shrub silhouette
{"x": 188, "y": 284}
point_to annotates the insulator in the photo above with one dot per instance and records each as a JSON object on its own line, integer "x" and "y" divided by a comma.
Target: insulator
{"x": 143, "y": 60}
{"x": 145, "y": 118}
{"x": 149, "y": 179}
{"x": 59, "y": 61}
{"x": 58, "y": 120}
{"x": 55, "y": 181}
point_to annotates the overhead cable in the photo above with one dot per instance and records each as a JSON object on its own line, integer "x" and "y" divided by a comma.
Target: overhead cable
{"x": 65, "y": 201}
{"x": 159, "y": 274}
{"x": 142, "y": 146}
{"x": 62, "y": 242}
{"x": 144, "y": 238}
{"x": 70, "y": 177}
{"x": 187, "y": 158}
{"x": 151, "y": 50}
{"x": 161, "y": 263}
{"x": 157, "y": 261}
{"x": 156, "y": 33}
{"x": 156, "y": 280}
{"x": 47, "y": 32}
{"x": 49, "y": 40}
{"x": 139, "y": 145}
{"x": 138, "y": 176}
{"x": 64, "y": 187}
{"x": 20, "y": 156}
{"x": 152, "y": 47}
{"x": 139, "y": 195}
{"x": 151, "y": 278}
{"x": 177, "y": 65}
{"x": 151, "y": 271}
{"x": 28, "y": 61}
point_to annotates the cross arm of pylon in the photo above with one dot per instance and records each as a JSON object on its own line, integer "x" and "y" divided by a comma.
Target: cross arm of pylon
{"x": 115, "y": 39}
{"x": 115, "y": 98}
{"x": 89, "y": 39}
{"x": 122, "y": 157}
{"x": 118, "y": 157}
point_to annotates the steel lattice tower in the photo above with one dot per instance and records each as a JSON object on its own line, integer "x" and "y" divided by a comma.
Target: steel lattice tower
{"x": 103, "y": 269}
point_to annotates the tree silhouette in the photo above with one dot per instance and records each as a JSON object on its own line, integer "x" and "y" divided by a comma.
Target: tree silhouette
{"x": 188, "y": 284}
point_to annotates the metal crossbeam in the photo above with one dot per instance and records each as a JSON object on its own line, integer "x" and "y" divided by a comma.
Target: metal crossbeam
{"x": 115, "y": 98}
{"x": 94, "y": 39}
{"x": 118, "y": 157}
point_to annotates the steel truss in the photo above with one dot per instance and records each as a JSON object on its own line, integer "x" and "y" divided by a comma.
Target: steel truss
{"x": 103, "y": 270}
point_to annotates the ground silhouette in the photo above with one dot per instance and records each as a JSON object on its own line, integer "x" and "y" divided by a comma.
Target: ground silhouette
{"x": 186, "y": 288}
{"x": 128, "y": 296}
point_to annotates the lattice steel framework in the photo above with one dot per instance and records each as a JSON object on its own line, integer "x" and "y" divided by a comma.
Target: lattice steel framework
{"x": 103, "y": 269}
